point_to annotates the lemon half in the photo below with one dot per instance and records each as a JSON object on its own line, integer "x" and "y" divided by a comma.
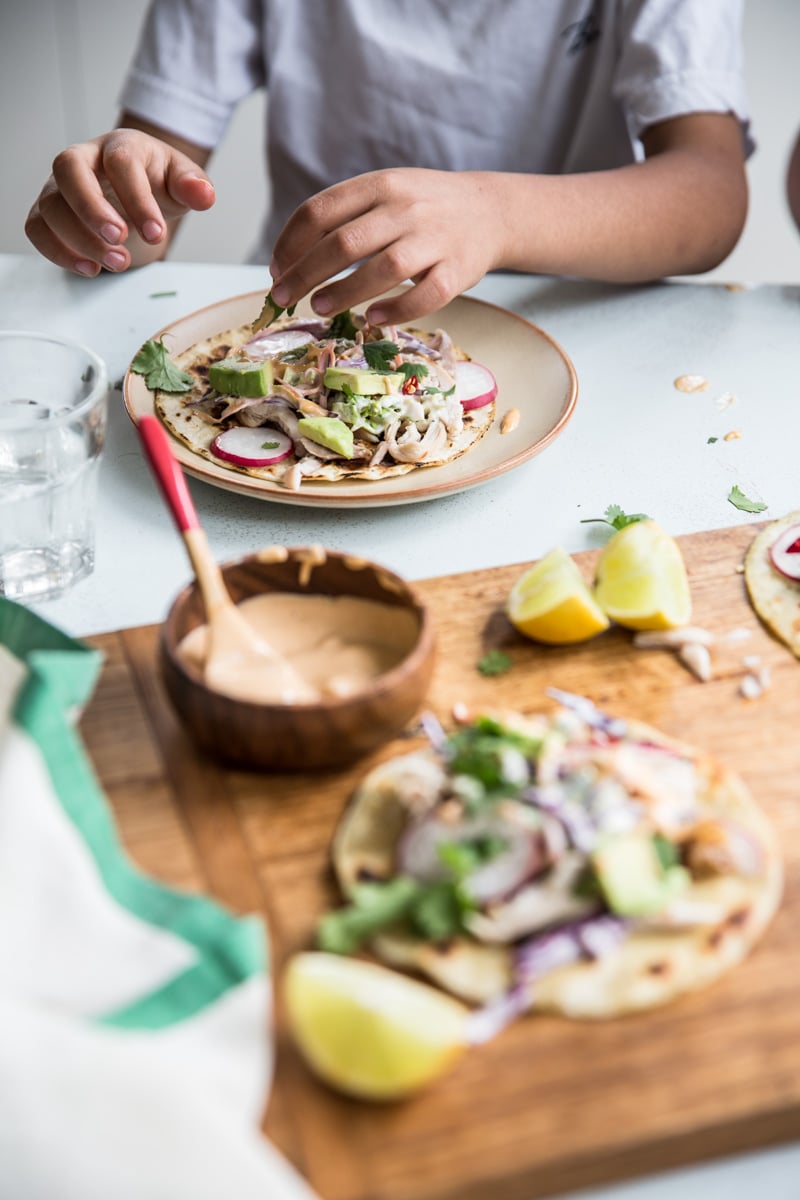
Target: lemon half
{"x": 370, "y": 1031}
{"x": 641, "y": 579}
{"x": 552, "y": 603}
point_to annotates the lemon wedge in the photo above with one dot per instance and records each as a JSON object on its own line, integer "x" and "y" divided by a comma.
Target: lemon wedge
{"x": 552, "y": 603}
{"x": 369, "y": 1031}
{"x": 641, "y": 579}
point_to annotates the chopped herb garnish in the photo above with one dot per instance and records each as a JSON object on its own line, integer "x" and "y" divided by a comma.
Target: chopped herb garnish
{"x": 270, "y": 445}
{"x": 710, "y": 441}
{"x": 270, "y": 312}
{"x": 496, "y": 662}
{"x": 462, "y": 858}
{"x": 342, "y": 326}
{"x": 616, "y": 518}
{"x": 411, "y": 369}
{"x": 667, "y": 852}
{"x": 293, "y": 356}
{"x": 160, "y": 295}
{"x": 379, "y": 356}
{"x": 738, "y": 499}
{"x": 498, "y": 758}
{"x": 433, "y": 910}
{"x": 159, "y": 371}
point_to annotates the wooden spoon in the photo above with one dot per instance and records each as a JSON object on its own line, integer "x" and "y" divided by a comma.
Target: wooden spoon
{"x": 238, "y": 660}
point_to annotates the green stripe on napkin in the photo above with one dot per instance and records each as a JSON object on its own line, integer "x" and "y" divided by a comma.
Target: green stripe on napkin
{"x": 61, "y": 674}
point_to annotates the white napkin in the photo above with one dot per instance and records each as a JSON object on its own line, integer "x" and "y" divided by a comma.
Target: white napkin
{"x": 135, "y": 1044}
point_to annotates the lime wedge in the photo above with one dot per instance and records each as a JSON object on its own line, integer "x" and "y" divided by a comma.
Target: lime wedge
{"x": 552, "y": 603}
{"x": 641, "y": 579}
{"x": 369, "y": 1031}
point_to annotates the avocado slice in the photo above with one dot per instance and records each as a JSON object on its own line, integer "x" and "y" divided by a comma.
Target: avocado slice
{"x": 631, "y": 876}
{"x": 362, "y": 382}
{"x": 239, "y": 377}
{"x": 328, "y": 431}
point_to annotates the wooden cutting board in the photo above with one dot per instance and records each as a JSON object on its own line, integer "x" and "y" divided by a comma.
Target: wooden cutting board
{"x": 550, "y": 1105}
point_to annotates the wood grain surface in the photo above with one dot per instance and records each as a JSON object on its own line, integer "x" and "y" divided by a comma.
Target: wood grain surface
{"x": 550, "y": 1105}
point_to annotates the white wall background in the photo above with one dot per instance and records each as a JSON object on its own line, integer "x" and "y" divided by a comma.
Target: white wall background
{"x": 61, "y": 62}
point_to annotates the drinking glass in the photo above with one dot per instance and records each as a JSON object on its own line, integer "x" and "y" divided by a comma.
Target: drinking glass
{"x": 53, "y": 411}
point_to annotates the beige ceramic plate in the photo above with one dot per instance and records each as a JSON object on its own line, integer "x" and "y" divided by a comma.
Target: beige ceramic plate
{"x": 533, "y": 374}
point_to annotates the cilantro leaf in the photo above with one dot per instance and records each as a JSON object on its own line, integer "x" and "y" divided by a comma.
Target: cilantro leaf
{"x": 496, "y": 662}
{"x": 710, "y": 441}
{"x": 270, "y": 312}
{"x": 432, "y": 910}
{"x": 342, "y": 326}
{"x": 270, "y": 445}
{"x": 616, "y": 518}
{"x": 498, "y": 758}
{"x": 410, "y": 369}
{"x": 738, "y": 499}
{"x": 160, "y": 373}
{"x": 379, "y": 356}
{"x": 160, "y": 295}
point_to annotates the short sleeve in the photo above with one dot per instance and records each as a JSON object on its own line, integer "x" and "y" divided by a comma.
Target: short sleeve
{"x": 196, "y": 60}
{"x": 679, "y": 57}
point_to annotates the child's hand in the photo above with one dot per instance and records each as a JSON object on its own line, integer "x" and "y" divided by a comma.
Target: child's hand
{"x": 123, "y": 183}
{"x": 442, "y": 229}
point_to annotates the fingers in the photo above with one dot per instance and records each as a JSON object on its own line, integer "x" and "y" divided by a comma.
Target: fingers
{"x": 100, "y": 190}
{"x": 57, "y": 232}
{"x": 329, "y": 210}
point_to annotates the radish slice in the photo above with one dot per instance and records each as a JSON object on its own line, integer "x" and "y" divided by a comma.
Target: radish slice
{"x": 524, "y": 854}
{"x": 785, "y": 552}
{"x": 269, "y": 345}
{"x": 252, "y": 446}
{"x": 476, "y": 386}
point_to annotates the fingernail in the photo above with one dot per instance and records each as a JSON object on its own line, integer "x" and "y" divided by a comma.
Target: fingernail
{"x": 114, "y": 260}
{"x": 321, "y": 305}
{"x": 111, "y": 234}
{"x": 151, "y": 231}
{"x": 84, "y": 267}
{"x": 375, "y": 316}
{"x": 280, "y": 294}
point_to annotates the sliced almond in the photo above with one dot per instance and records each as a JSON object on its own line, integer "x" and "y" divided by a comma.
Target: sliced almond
{"x": 697, "y": 658}
{"x": 673, "y": 639}
{"x": 733, "y": 435}
{"x": 691, "y": 383}
{"x": 750, "y": 687}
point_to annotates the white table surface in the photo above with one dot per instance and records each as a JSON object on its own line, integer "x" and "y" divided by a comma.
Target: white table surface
{"x": 634, "y": 440}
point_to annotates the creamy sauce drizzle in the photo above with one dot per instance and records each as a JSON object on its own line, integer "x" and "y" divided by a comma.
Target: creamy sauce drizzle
{"x": 337, "y": 644}
{"x": 510, "y": 421}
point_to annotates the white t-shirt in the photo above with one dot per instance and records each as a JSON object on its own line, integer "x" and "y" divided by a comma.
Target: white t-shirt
{"x": 552, "y": 86}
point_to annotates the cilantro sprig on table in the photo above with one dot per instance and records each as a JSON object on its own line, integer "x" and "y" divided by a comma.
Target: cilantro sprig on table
{"x": 616, "y": 517}
{"x": 494, "y": 662}
{"x": 159, "y": 371}
{"x": 738, "y": 499}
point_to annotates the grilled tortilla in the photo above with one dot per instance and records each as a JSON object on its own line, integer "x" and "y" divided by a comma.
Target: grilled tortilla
{"x": 396, "y": 436}
{"x": 559, "y": 930}
{"x": 775, "y": 598}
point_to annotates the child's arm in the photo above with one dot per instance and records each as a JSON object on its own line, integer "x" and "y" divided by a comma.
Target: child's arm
{"x": 681, "y": 211}
{"x": 117, "y": 200}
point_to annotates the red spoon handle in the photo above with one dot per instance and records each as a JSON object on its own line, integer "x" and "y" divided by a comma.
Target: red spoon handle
{"x": 168, "y": 473}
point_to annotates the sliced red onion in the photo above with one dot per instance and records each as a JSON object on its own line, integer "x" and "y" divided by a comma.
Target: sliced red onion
{"x": 431, "y": 726}
{"x": 414, "y": 345}
{"x": 588, "y": 712}
{"x": 525, "y": 854}
{"x": 593, "y": 937}
{"x": 578, "y": 825}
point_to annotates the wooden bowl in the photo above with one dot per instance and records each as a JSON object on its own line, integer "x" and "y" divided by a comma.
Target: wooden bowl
{"x": 300, "y": 737}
